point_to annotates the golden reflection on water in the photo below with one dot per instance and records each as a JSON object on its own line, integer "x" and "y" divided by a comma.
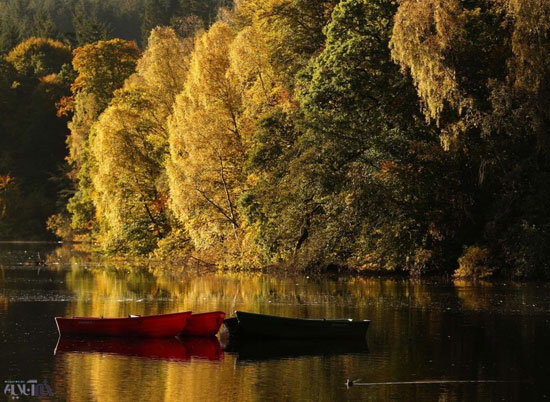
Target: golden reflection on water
{"x": 127, "y": 379}
{"x": 118, "y": 291}
{"x": 419, "y": 330}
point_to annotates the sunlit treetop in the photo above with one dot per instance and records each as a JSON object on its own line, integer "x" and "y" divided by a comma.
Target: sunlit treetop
{"x": 103, "y": 66}
{"x": 424, "y": 32}
{"x": 39, "y": 56}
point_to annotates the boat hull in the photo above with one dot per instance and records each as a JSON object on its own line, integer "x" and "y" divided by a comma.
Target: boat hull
{"x": 268, "y": 326}
{"x": 164, "y": 325}
{"x": 204, "y": 324}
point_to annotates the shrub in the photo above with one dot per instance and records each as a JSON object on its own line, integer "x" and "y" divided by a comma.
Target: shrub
{"x": 474, "y": 263}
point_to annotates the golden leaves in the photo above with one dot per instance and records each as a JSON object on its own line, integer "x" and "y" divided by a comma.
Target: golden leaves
{"x": 103, "y": 66}
{"x": 5, "y": 182}
{"x": 205, "y": 142}
{"x": 39, "y": 56}
{"x": 130, "y": 145}
{"x": 423, "y": 34}
{"x": 530, "y": 42}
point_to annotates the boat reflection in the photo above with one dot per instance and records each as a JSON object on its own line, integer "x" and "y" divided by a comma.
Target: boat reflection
{"x": 274, "y": 349}
{"x": 179, "y": 349}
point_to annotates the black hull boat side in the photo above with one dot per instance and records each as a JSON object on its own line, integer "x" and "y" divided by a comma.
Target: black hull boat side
{"x": 269, "y": 326}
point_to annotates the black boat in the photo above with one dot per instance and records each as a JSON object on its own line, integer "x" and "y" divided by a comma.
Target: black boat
{"x": 270, "y": 326}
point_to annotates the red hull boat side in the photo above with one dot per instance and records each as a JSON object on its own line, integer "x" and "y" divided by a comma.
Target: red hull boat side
{"x": 163, "y": 325}
{"x": 204, "y": 324}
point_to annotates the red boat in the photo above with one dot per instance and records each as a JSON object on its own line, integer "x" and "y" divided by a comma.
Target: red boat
{"x": 204, "y": 324}
{"x": 163, "y": 325}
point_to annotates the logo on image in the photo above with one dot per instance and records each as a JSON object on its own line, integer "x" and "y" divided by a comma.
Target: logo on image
{"x": 18, "y": 388}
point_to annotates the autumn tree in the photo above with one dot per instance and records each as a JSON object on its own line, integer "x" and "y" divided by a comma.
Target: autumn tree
{"x": 102, "y": 68}
{"x": 206, "y": 145}
{"x": 293, "y": 30}
{"x": 130, "y": 146}
{"x": 32, "y": 137}
{"x": 38, "y": 57}
{"x": 479, "y": 70}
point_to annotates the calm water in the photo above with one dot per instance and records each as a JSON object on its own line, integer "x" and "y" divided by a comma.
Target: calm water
{"x": 420, "y": 330}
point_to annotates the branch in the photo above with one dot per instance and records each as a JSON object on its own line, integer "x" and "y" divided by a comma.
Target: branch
{"x": 220, "y": 209}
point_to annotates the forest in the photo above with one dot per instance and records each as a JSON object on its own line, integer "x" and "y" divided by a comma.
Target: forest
{"x": 365, "y": 135}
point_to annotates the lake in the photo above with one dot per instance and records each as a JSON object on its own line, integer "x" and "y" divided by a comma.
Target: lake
{"x": 425, "y": 336}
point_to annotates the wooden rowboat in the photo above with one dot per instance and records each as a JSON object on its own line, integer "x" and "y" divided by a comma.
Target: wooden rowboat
{"x": 269, "y": 326}
{"x": 163, "y": 325}
{"x": 204, "y": 324}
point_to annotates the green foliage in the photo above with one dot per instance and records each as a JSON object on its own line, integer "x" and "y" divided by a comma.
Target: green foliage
{"x": 88, "y": 28}
{"x": 31, "y": 149}
{"x": 346, "y": 168}
{"x": 80, "y": 22}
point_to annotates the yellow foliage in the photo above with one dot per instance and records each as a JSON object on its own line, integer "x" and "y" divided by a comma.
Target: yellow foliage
{"x": 230, "y": 84}
{"x": 530, "y": 42}
{"x": 474, "y": 263}
{"x": 86, "y": 109}
{"x": 5, "y": 182}
{"x": 254, "y": 76}
{"x": 164, "y": 65}
{"x": 39, "y": 56}
{"x": 206, "y": 144}
{"x": 103, "y": 66}
{"x": 422, "y": 33}
{"x": 130, "y": 145}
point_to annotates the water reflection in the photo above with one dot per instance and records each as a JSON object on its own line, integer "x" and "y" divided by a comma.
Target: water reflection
{"x": 179, "y": 349}
{"x": 420, "y": 330}
{"x": 274, "y": 349}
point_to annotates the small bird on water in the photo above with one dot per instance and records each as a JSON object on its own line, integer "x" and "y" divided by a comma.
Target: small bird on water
{"x": 40, "y": 261}
{"x": 350, "y": 383}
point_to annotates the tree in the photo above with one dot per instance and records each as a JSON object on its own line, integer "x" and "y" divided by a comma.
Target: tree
{"x": 43, "y": 25}
{"x": 87, "y": 26}
{"x": 31, "y": 148}
{"x": 339, "y": 165}
{"x": 155, "y": 13}
{"x": 480, "y": 70}
{"x": 37, "y": 57}
{"x": 293, "y": 30}
{"x": 206, "y": 148}
{"x": 102, "y": 68}
{"x": 130, "y": 145}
